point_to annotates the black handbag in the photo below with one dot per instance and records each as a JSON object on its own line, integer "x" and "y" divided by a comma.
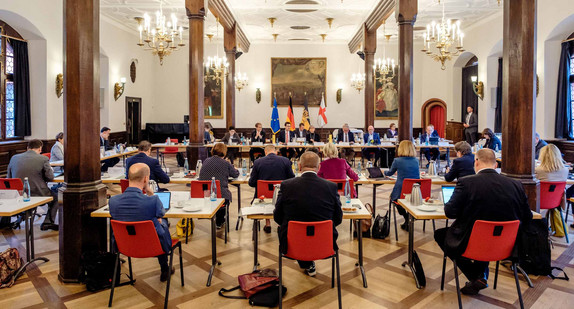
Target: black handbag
{"x": 268, "y": 297}
{"x": 382, "y": 226}
{"x": 419, "y": 271}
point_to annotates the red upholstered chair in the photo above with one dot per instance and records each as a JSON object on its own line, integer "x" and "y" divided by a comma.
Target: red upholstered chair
{"x": 124, "y": 184}
{"x": 12, "y": 184}
{"x": 139, "y": 240}
{"x": 489, "y": 241}
{"x": 551, "y": 194}
{"x": 169, "y": 150}
{"x": 407, "y": 188}
{"x": 47, "y": 154}
{"x": 266, "y": 187}
{"x": 341, "y": 186}
{"x": 310, "y": 241}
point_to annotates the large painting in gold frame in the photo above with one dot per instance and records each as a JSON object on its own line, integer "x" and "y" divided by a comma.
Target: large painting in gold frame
{"x": 386, "y": 99}
{"x": 213, "y": 97}
{"x": 298, "y": 76}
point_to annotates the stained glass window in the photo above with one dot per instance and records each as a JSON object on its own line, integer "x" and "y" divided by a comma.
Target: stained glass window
{"x": 9, "y": 59}
{"x": 9, "y": 109}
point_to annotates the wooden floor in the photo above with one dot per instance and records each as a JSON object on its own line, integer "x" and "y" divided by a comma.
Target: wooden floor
{"x": 390, "y": 284}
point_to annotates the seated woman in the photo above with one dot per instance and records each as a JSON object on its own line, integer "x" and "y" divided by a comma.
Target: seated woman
{"x": 551, "y": 167}
{"x": 333, "y": 167}
{"x": 463, "y": 165}
{"x": 406, "y": 166}
{"x": 57, "y": 153}
{"x": 492, "y": 141}
{"x": 220, "y": 168}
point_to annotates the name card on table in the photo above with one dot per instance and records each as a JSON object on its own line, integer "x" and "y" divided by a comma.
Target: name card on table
{"x": 319, "y": 144}
{"x": 128, "y": 149}
{"x": 292, "y": 144}
{"x": 300, "y": 139}
{"x": 257, "y": 143}
{"x": 344, "y": 143}
{"x": 9, "y": 194}
{"x": 387, "y": 144}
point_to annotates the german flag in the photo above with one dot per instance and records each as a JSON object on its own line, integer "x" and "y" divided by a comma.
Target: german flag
{"x": 290, "y": 116}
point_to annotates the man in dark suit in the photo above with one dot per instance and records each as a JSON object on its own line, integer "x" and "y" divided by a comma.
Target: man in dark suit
{"x": 539, "y": 144}
{"x": 285, "y": 137}
{"x": 144, "y": 156}
{"x": 296, "y": 202}
{"x": 300, "y": 133}
{"x": 134, "y": 205}
{"x": 470, "y": 126}
{"x": 346, "y": 136}
{"x": 463, "y": 165}
{"x": 104, "y": 142}
{"x": 313, "y": 137}
{"x": 270, "y": 167}
{"x": 485, "y": 196}
{"x": 430, "y": 153}
{"x": 257, "y": 136}
{"x": 231, "y": 138}
{"x": 373, "y": 138}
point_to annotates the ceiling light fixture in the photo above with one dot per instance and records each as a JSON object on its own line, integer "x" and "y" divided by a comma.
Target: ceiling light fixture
{"x": 443, "y": 36}
{"x": 330, "y": 21}
{"x": 275, "y": 35}
{"x": 216, "y": 67}
{"x": 323, "y": 36}
{"x": 271, "y": 20}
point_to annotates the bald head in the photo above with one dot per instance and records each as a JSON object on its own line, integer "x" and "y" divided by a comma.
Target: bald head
{"x": 138, "y": 173}
{"x": 270, "y": 149}
{"x": 309, "y": 161}
{"x": 485, "y": 158}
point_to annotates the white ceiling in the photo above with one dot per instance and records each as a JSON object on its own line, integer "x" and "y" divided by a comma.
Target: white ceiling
{"x": 253, "y": 15}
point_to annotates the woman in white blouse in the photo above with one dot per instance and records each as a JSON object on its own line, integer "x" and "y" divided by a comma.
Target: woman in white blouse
{"x": 551, "y": 166}
{"x": 57, "y": 152}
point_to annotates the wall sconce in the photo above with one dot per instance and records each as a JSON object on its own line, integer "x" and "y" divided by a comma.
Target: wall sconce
{"x": 119, "y": 89}
{"x": 258, "y": 95}
{"x": 477, "y": 87}
{"x": 59, "y": 84}
{"x": 339, "y": 95}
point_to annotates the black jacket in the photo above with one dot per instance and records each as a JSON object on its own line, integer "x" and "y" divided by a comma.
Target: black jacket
{"x": 461, "y": 167}
{"x": 541, "y": 143}
{"x": 313, "y": 136}
{"x": 156, "y": 173}
{"x": 270, "y": 167}
{"x": 281, "y": 136}
{"x": 307, "y": 198}
{"x": 493, "y": 143}
{"x": 472, "y": 123}
{"x": 485, "y": 196}
{"x": 350, "y": 137}
{"x": 106, "y": 144}
{"x": 261, "y": 139}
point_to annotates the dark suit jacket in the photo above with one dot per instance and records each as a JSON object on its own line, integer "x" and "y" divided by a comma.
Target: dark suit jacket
{"x": 473, "y": 123}
{"x": 156, "y": 173}
{"x": 298, "y": 133}
{"x": 313, "y": 136}
{"x": 376, "y": 138}
{"x": 391, "y": 134}
{"x": 541, "y": 143}
{"x": 484, "y": 196}
{"x": 270, "y": 167}
{"x": 235, "y": 138}
{"x": 350, "y": 137}
{"x": 424, "y": 136}
{"x": 261, "y": 139}
{"x": 461, "y": 167}
{"x": 493, "y": 143}
{"x": 105, "y": 143}
{"x": 281, "y": 137}
{"x": 296, "y": 202}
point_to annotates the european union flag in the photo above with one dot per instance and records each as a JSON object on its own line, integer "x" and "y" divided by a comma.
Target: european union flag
{"x": 275, "y": 124}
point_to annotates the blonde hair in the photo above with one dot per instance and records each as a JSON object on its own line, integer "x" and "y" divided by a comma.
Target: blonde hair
{"x": 406, "y": 149}
{"x": 330, "y": 150}
{"x": 551, "y": 158}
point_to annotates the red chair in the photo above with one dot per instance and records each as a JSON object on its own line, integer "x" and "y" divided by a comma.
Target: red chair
{"x": 201, "y": 189}
{"x": 169, "y": 150}
{"x": 551, "y": 194}
{"x": 425, "y": 184}
{"x": 489, "y": 241}
{"x": 341, "y": 186}
{"x": 267, "y": 187}
{"x": 310, "y": 241}
{"x": 139, "y": 240}
{"x": 12, "y": 184}
{"x": 47, "y": 154}
{"x": 124, "y": 184}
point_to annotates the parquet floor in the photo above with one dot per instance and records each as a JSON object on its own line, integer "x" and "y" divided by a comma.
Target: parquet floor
{"x": 390, "y": 284}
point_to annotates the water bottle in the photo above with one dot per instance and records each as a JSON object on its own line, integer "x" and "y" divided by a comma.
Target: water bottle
{"x": 186, "y": 165}
{"x": 295, "y": 167}
{"x": 347, "y": 191}
{"x": 26, "y": 191}
{"x": 213, "y": 195}
{"x": 197, "y": 167}
{"x": 369, "y": 164}
{"x": 244, "y": 167}
{"x": 168, "y": 141}
{"x": 359, "y": 168}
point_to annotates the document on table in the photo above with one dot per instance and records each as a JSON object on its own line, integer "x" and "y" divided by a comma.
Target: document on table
{"x": 258, "y": 209}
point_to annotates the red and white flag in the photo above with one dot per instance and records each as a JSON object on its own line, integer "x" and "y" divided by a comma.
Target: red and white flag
{"x": 322, "y": 119}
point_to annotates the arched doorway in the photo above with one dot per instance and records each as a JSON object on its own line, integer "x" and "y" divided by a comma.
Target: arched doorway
{"x": 434, "y": 112}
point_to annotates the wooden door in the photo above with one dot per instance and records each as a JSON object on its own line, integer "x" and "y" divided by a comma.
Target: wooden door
{"x": 133, "y": 120}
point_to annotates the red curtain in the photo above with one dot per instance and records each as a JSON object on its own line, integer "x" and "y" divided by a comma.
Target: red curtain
{"x": 437, "y": 118}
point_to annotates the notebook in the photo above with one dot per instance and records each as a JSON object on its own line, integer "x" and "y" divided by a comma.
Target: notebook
{"x": 165, "y": 198}
{"x": 447, "y": 192}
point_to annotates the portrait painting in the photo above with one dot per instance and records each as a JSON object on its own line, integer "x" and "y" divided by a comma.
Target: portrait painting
{"x": 212, "y": 97}
{"x": 300, "y": 77}
{"x": 386, "y": 98}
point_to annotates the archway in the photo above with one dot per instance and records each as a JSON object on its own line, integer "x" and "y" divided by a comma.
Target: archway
{"x": 434, "y": 112}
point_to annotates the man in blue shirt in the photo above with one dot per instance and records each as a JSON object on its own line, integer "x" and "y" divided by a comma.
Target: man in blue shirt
{"x": 144, "y": 156}
{"x": 133, "y": 205}
{"x": 374, "y": 139}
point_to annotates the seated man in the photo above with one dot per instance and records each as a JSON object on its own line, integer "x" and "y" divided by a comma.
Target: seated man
{"x": 295, "y": 202}
{"x": 463, "y": 165}
{"x": 144, "y": 156}
{"x": 37, "y": 168}
{"x": 373, "y": 138}
{"x": 257, "y": 136}
{"x": 430, "y": 153}
{"x": 134, "y": 205}
{"x": 230, "y": 138}
{"x": 313, "y": 137}
{"x": 301, "y": 133}
{"x": 485, "y": 196}
{"x": 540, "y": 143}
{"x": 346, "y": 136}
{"x": 270, "y": 167}
{"x": 104, "y": 142}
{"x": 286, "y": 136}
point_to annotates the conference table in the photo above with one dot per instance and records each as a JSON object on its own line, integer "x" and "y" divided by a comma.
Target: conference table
{"x": 123, "y": 155}
{"x": 207, "y": 211}
{"x": 441, "y": 145}
{"x": 415, "y": 213}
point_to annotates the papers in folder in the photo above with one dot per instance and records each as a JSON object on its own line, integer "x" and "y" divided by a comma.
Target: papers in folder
{"x": 258, "y": 209}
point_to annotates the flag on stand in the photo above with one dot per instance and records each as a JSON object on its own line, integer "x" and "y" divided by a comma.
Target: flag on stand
{"x": 305, "y": 117}
{"x": 322, "y": 119}
{"x": 290, "y": 117}
{"x": 275, "y": 124}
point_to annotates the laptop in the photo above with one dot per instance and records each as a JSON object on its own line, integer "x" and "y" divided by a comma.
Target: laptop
{"x": 375, "y": 172}
{"x": 165, "y": 198}
{"x": 433, "y": 140}
{"x": 447, "y": 192}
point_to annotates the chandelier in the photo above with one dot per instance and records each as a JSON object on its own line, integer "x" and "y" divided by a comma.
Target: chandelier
{"x": 384, "y": 67}
{"x": 161, "y": 37}
{"x": 358, "y": 81}
{"x": 216, "y": 67}
{"x": 241, "y": 81}
{"x": 446, "y": 37}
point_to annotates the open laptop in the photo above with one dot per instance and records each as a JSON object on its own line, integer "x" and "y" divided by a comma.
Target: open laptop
{"x": 433, "y": 140}
{"x": 165, "y": 198}
{"x": 375, "y": 172}
{"x": 447, "y": 192}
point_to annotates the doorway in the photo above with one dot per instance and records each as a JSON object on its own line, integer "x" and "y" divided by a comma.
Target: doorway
{"x": 133, "y": 120}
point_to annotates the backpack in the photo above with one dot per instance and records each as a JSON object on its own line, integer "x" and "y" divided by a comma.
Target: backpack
{"x": 382, "y": 226}
{"x": 97, "y": 270}
{"x": 261, "y": 287}
{"x": 181, "y": 228}
{"x": 534, "y": 250}
{"x": 10, "y": 264}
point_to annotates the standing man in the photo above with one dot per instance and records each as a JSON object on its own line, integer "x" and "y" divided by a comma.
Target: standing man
{"x": 257, "y": 136}
{"x": 37, "y": 168}
{"x": 104, "y": 142}
{"x": 285, "y": 137}
{"x": 313, "y": 137}
{"x": 296, "y": 202}
{"x": 372, "y": 138}
{"x": 346, "y": 136}
{"x": 144, "y": 156}
{"x": 470, "y": 126}
{"x": 270, "y": 167}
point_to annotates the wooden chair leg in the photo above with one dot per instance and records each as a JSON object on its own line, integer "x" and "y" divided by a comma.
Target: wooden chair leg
{"x": 457, "y": 284}
{"x": 114, "y": 279}
{"x": 518, "y": 286}
{"x": 496, "y": 275}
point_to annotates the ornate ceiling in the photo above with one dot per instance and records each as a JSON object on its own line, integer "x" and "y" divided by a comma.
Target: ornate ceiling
{"x": 253, "y": 16}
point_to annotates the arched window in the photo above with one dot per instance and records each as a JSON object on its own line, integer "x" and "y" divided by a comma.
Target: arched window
{"x": 7, "y": 93}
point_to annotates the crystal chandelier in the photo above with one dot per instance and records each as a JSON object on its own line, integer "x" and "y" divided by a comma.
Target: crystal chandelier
{"x": 216, "y": 67}
{"x": 161, "y": 38}
{"x": 358, "y": 81}
{"x": 446, "y": 37}
{"x": 385, "y": 68}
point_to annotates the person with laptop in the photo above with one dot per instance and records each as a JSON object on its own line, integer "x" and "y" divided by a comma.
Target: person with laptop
{"x": 373, "y": 138}
{"x": 134, "y": 205}
{"x": 428, "y": 138}
{"x": 485, "y": 196}
{"x": 463, "y": 165}
{"x": 144, "y": 156}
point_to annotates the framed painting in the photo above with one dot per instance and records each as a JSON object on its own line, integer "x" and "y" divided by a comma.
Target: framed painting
{"x": 386, "y": 98}
{"x": 298, "y": 76}
{"x": 212, "y": 97}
